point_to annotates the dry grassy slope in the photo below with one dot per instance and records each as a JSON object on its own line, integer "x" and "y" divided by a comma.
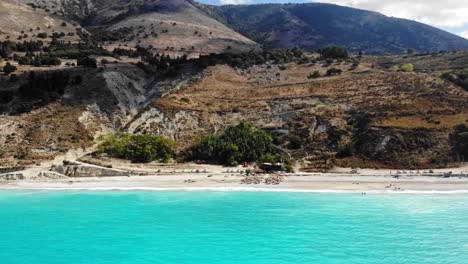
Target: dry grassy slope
{"x": 16, "y": 17}
{"x": 262, "y": 95}
{"x": 435, "y": 62}
{"x": 74, "y": 9}
{"x": 176, "y": 24}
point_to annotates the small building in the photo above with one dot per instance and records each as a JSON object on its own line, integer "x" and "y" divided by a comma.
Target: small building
{"x": 272, "y": 166}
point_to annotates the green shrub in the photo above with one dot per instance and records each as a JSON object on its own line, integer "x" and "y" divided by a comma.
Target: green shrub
{"x": 45, "y": 60}
{"x": 238, "y": 144}
{"x": 8, "y": 68}
{"x": 314, "y": 75}
{"x": 185, "y": 100}
{"x": 42, "y": 35}
{"x": 137, "y": 148}
{"x": 295, "y": 142}
{"x": 396, "y": 68}
{"x": 334, "y": 71}
{"x": 289, "y": 168}
{"x": 407, "y": 67}
{"x": 26, "y": 60}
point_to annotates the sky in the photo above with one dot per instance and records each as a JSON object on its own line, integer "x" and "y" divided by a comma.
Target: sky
{"x": 450, "y": 15}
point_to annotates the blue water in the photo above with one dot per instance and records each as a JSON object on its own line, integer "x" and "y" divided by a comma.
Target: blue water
{"x": 231, "y": 227}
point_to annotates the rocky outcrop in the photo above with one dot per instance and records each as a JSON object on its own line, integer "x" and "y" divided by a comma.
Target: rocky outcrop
{"x": 12, "y": 176}
{"x": 83, "y": 170}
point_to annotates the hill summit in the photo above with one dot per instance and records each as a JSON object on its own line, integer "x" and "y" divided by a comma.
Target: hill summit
{"x": 170, "y": 26}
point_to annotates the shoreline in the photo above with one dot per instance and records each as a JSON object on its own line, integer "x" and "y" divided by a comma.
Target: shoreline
{"x": 232, "y": 183}
{"x": 222, "y": 189}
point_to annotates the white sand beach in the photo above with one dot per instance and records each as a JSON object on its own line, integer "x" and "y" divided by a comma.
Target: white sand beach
{"x": 292, "y": 183}
{"x": 157, "y": 177}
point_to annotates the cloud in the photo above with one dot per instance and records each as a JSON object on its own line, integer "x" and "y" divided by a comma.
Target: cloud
{"x": 447, "y": 13}
{"x": 464, "y": 34}
{"x": 450, "y": 15}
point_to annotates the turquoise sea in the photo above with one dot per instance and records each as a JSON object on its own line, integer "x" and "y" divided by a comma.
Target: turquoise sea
{"x": 231, "y": 227}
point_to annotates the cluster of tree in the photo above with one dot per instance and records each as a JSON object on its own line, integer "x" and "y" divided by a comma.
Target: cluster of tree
{"x": 69, "y": 50}
{"x": 8, "y": 47}
{"x": 38, "y": 60}
{"x": 8, "y": 68}
{"x": 164, "y": 62}
{"x": 47, "y": 86}
{"x": 360, "y": 124}
{"x": 56, "y": 49}
{"x": 87, "y": 62}
{"x": 245, "y": 60}
{"x": 138, "y": 148}
{"x": 139, "y": 51}
{"x": 161, "y": 61}
{"x": 114, "y": 35}
{"x": 237, "y": 144}
{"x": 334, "y": 52}
{"x": 459, "y": 139}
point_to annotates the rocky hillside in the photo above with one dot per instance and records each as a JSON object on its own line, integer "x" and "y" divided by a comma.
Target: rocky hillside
{"x": 60, "y": 93}
{"x": 313, "y": 26}
{"x": 170, "y": 26}
{"x": 47, "y": 113}
{"x": 364, "y": 117}
{"x": 367, "y": 116}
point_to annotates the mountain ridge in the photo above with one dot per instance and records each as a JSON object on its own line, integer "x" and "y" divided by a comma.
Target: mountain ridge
{"x": 316, "y": 25}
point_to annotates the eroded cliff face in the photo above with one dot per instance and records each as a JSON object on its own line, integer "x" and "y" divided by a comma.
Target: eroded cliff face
{"x": 49, "y": 120}
{"x": 364, "y": 117}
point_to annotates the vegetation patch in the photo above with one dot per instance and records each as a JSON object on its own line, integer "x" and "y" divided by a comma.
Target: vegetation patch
{"x": 237, "y": 144}
{"x": 334, "y": 52}
{"x": 459, "y": 139}
{"x": 137, "y": 148}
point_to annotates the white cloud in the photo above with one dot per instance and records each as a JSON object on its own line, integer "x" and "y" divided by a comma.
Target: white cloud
{"x": 441, "y": 13}
{"x": 464, "y": 34}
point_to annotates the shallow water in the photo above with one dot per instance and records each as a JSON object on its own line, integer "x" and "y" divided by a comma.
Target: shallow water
{"x": 231, "y": 227}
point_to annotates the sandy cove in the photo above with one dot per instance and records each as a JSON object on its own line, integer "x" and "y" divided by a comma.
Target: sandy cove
{"x": 293, "y": 183}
